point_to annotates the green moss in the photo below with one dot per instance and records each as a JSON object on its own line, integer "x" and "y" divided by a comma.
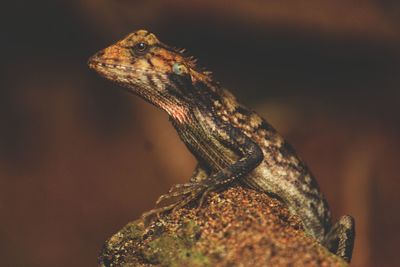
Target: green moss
{"x": 177, "y": 249}
{"x": 135, "y": 229}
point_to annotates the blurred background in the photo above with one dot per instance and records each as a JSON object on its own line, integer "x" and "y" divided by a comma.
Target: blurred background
{"x": 79, "y": 157}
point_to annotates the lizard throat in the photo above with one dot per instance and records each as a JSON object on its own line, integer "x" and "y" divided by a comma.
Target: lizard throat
{"x": 177, "y": 113}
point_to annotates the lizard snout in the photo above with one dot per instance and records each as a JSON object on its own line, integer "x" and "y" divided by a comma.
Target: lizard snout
{"x": 95, "y": 59}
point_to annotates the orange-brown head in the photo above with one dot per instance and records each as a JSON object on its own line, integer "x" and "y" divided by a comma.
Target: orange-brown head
{"x": 158, "y": 73}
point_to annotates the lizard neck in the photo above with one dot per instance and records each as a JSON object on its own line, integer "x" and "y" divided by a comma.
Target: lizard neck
{"x": 195, "y": 97}
{"x": 177, "y": 113}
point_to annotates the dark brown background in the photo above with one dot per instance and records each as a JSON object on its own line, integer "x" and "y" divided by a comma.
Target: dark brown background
{"x": 79, "y": 158}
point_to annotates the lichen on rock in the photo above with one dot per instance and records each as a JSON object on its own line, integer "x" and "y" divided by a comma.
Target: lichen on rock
{"x": 235, "y": 227}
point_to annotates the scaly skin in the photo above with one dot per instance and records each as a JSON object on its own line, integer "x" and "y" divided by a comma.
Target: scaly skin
{"x": 230, "y": 142}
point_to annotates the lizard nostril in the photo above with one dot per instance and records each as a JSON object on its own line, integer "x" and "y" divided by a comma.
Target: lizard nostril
{"x": 93, "y": 60}
{"x": 96, "y": 58}
{"x": 90, "y": 62}
{"x": 100, "y": 53}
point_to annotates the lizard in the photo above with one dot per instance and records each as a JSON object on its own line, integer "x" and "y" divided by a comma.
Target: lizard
{"x": 231, "y": 142}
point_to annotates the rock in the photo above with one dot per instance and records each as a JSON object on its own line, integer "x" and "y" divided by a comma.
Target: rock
{"x": 236, "y": 227}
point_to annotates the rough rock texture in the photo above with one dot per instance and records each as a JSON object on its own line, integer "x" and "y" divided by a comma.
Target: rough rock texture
{"x": 236, "y": 227}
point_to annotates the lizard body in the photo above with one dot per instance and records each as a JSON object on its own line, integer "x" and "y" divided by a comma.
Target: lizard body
{"x": 230, "y": 142}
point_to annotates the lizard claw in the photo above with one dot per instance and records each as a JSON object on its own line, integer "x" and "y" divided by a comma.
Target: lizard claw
{"x": 147, "y": 216}
{"x": 185, "y": 192}
{"x": 193, "y": 195}
{"x": 204, "y": 196}
{"x": 177, "y": 191}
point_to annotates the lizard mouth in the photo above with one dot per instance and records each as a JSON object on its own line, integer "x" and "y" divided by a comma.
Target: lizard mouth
{"x": 95, "y": 63}
{"x": 94, "y": 60}
{"x": 104, "y": 68}
{"x": 99, "y": 64}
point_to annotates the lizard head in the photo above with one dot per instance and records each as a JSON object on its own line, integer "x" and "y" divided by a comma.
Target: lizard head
{"x": 145, "y": 66}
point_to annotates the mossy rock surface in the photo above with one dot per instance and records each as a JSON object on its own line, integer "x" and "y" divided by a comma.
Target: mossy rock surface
{"x": 236, "y": 227}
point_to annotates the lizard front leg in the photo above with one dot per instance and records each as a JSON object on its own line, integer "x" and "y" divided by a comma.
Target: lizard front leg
{"x": 202, "y": 183}
{"x": 199, "y": 174}
{"x": 183, "y": 193}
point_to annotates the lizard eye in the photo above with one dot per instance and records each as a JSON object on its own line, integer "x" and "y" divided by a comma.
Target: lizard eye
{"x": 140, "y": 48}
